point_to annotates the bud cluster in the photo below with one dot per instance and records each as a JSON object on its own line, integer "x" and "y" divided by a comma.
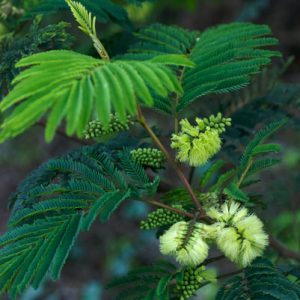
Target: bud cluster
{"x": 161, "y": 217}
{"x": 239, "y": 235}
{"x": 191, "y": 281}
{"x": 217, "y": 122}
{"x": 149, "y": 157}
{"x": 96, "y": 129}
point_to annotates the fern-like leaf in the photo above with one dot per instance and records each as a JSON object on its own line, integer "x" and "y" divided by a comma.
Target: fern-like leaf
{"x": 37, "y": 39}
{"x": 225, "y": 56}
{"x": 261, "y": 280}
{"x": 212, "y": 170}
{"x": 162, "y": 41}
{"x": 87, "y": 23}
{"x": 256, "y": 146}
{"x": 71, "y": 85}
{"x": 56, "y": 202}
{"x": 149, "y": 282}
{"x": 222, "y": 180}
{"x": 158, "y": 39}
{"x": 104, "y": 207}
{"x": 234, "y": 192}
{"x": 28, "y": 252}
{"x": 266, "y": 148}
{"x": 262, "y": 164}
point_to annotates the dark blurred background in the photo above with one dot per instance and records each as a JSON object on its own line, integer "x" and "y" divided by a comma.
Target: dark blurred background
{"x": 114, "y": 248}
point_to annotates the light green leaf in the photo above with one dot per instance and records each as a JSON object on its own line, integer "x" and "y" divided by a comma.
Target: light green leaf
{"x": 71, "y": 86}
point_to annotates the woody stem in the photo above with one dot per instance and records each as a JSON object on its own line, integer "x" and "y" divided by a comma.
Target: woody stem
{"x": 176, "y": 210}
{"x": 179, "y": 172}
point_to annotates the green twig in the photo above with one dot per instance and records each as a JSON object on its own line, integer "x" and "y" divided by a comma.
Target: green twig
{"x": 245, "y": 172}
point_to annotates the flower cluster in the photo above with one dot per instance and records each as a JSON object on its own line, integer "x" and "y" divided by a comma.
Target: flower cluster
{"x": 149, "y": 157}
{"x": 240, "y": 236}
{"x": 197, "y": 144}
{"x": 187, "y": 242}
{"x": 96, "y": 129}
{"x": 161, "y": 217}
{"x": 191, "y": 280}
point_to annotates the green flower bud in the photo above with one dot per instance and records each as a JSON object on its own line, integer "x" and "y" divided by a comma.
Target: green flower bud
{"x": 95, "y": 129}
{"x": 191, "y": 281}
{"x": 161, "y": 217}
{"x": 217, "y": 122}
{"x": 240, "y": 236}
{"x": 149, "y": 157}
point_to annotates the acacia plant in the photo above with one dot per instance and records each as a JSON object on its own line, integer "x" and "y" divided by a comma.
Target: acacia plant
{"x": 165, "y": 70}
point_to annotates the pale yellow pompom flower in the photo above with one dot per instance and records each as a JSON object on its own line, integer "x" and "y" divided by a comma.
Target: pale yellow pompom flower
{"x": 194, "y": 253}
{"x": 187, "y": 242}
{"x": 228, "y": 212}
{"x": 204, "y": 147}
{"x": 170, "y": 240}
{"x": 240, "y": 236}
{"x": 194, "y": 144}
{"x": 228, "y": 242}
{"x": 254, "y": 239}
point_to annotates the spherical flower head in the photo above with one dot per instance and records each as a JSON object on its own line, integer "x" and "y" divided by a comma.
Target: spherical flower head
{"x": 172, "y": 238}
{"x": 186, "y": 242}
{"x": 194, "y": 145}
{"x": 240, "y": 236}
{"x": 229, "y": 211}
{"x": 194, "y": 252}
{"x": 228, "y": 242}
{"x": 254, "y": 239}
{"x": 183, "y": 143}
{"x": 204, "y": 147}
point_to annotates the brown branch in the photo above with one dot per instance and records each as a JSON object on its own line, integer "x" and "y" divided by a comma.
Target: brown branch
{"x": 282, "y": 250}
{"x": 179, "y": 172}
{"x": 176, "y": 210}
